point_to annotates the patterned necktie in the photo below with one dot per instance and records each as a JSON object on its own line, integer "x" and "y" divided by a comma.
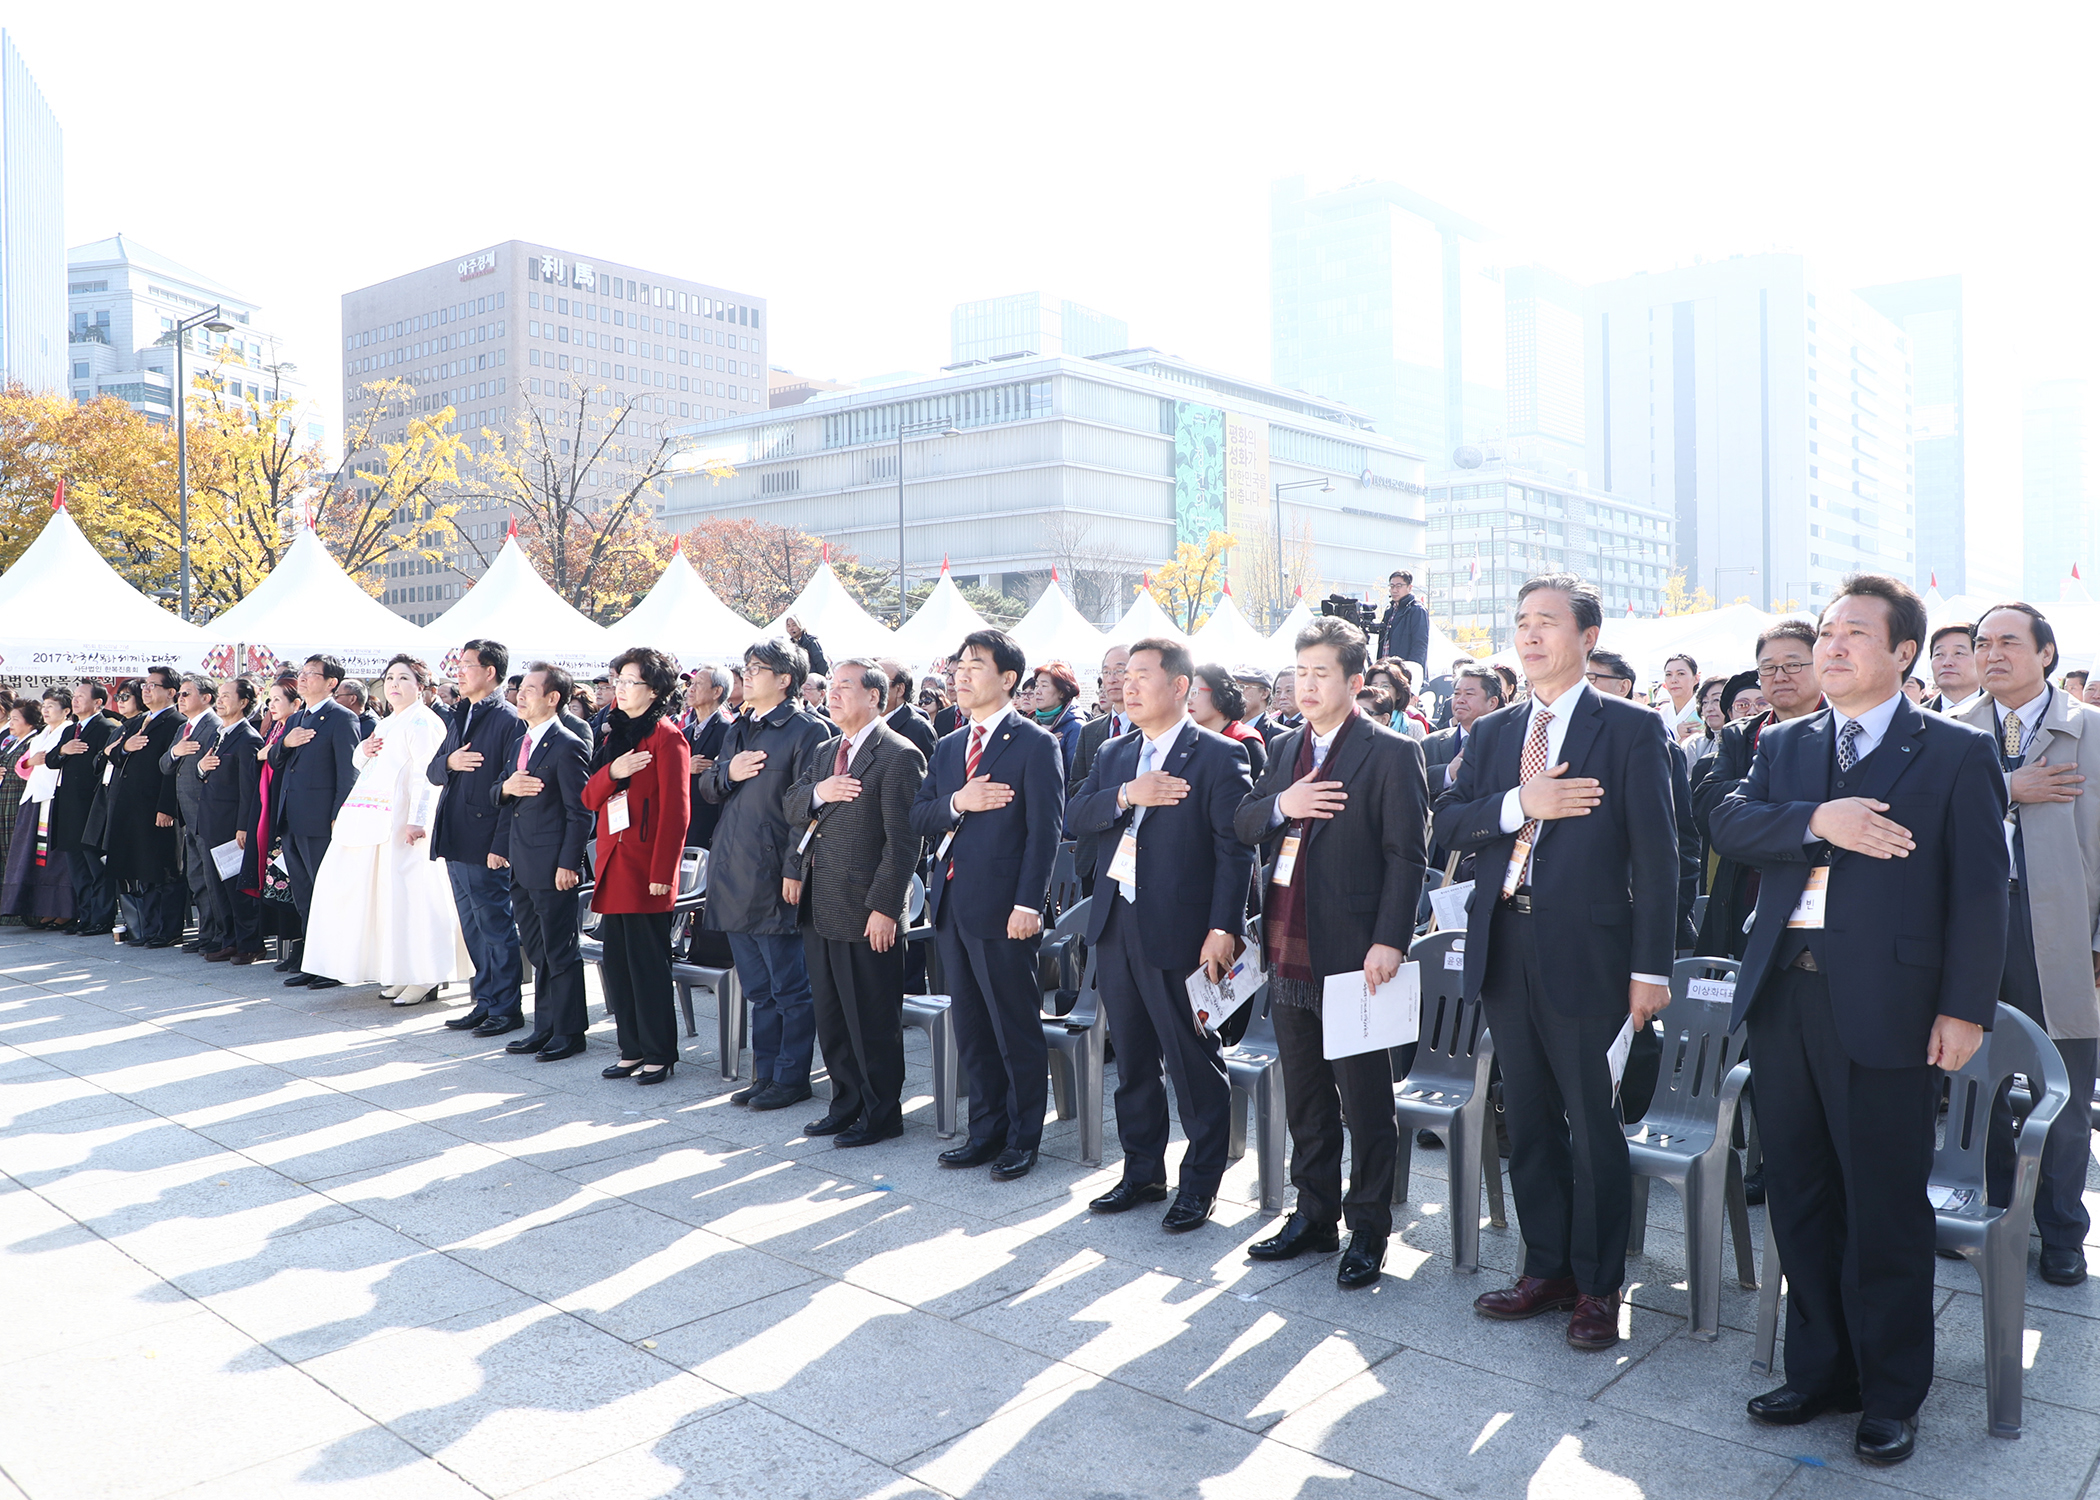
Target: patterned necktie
{"x": 2012, "y": 736}
{"x": 976, "y": 751}
{"x": 1534, "y": 765}
{"x": 1848, "y": 750}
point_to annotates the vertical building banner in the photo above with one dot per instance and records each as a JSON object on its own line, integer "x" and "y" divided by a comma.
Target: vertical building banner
{"x": 1246, "y": 474}
{"x": 1199, "y": 471}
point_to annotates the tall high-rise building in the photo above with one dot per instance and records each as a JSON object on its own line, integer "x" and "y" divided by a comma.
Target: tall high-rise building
{"x": 1545, "y": 316}
{"x": 485, "y": 333}
{"x": 1032, "y": 323}
{"x": 1392, "y": 304}
{"x": 1769, "y": 416}
{"x": 32, "y": 230}
{"x": 1930, "y": 314}
{"x": 125, "y": 301}
{"x": 2060, "y": 462}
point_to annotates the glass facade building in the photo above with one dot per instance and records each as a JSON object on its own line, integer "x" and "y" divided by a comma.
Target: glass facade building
{"x": 2060, "y": 466}
{"x": 32, "y": 230}
{"x": 1930, "y": 314}
{"x": 1032, "y": 323}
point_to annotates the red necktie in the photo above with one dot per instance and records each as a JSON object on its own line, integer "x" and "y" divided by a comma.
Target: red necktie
{"x": 186, "y": 730}
{"x": 841, "y": 769}
{"x": 976, "y": 751}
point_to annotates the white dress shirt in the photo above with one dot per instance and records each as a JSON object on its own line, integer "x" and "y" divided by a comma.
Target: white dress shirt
{"x": 854, "y": 741}
{"x": 2031, "y": 715}
{"x": 990, "y": 723}
{"x": 534, "y": 733}
{"x": 1563, "y": 709}
{"x": 1873, "y": 724}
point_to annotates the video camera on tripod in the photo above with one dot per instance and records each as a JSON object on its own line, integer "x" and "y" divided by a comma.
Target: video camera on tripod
{"x": 1355, "y": 611}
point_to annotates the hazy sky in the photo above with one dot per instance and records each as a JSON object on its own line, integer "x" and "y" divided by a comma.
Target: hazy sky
{"x": 864, "y": 168}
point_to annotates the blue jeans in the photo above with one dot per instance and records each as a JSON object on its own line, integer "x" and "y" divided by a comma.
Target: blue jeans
{"x": 483, "y": 898}
{"x": 775, "y": 979}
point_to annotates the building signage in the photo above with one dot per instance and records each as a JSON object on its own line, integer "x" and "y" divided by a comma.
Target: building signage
{"x": 477, "y": 265}
{"x": 1381, "y": 482}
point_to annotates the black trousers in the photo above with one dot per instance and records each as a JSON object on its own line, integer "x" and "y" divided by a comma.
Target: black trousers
{"x": 1317, "y": 1094}
{"x": 858, "y": 998}
{"x": 637, "y": 978}
{"x": 1150, "y": 1022}
{"x": 94, "y": 893}
{"x": 1568, "y": 1167}
{"x": 214, "y": 912}
{"x": 997, "y": 1010}
{"x": 162, "y": 904}
{"x": 303, "y": 853}
{"x": 2059, "y": 1197}
{"x": 1848, "y": 1152}
{"x": 547, "y": 924}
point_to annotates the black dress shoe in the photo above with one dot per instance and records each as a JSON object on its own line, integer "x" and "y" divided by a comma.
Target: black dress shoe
{"x": 749, "y": 1092}
{"x": 531, "y": 1043}
{"x": 973, "y": 1153}
{"x": 560, "y": 1048}
{"x": 495, "y": 1026}
{"x": 159, "y": 943}
{"x": 779, "y": 1095}
{"x": 1125, "y": 1196}
{"x": 71, "y": 929}
{"x": 289, "y": 963}
{"x": 298, "y": 981}
{"x": 1787, "y": 1407}
{"x": 1429, "y": 1140}
{"x": 655, "y": 1075}
{"x": 322, "y": 982}
{"x": 1298, "y": 1236}
{"x": 1011, "y": 1164}
{"x": 618, "y": 1070}
{"x": 830, "y": 1125}
{"x": 467, "y": 1022}
{"x": 2063, "y": 1265}
{"x": 197, "y": 947}
{"x": 1363, "y": 1262}
{"x": 1754, "y": 1187}
{"x": 868, "y": 1135}
{"x": 1190, "y": 1210}
{"x": 1884, "y": 1440}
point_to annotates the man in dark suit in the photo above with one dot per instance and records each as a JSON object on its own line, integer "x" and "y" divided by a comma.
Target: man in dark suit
{"x": 314, "y": 766}
{"x": 144, "y": 847}
{"x": 1344, "y": 805}
{"x": 992, "y": 806}
{"x": 1403, "y": 631}
{"x": 1111, "y": 723}
{"x": 223, "y": 769}
{"x": 1254, "y": 689}
{"x": 1170, "y": 893}
{"x": 1874, "y": 966}
{"x": 79, "y": 761}
{"x": 471, "y": 765}
{"x": 1565, "y": 800}
{"x": 904, "y": 715}
{"x": 1475, "y": 692}
{"x": 541, "y": 828}
{"x": 1283, "y": 708}
{"x": 705, "y": 729}
{"x": 1957, "y": 679}
{"x": 351, "y": 694}
{"x": 199, "y": 733}
{"x": 851, "y": 816}
{"x": 1611, "y": 674}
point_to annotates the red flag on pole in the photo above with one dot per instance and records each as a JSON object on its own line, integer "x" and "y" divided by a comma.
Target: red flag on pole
{"x": 512, "y": 532}
{"x": 677, "y": 545}
{"x": 58, "y": 496}
{"x": 1935, "y": 577}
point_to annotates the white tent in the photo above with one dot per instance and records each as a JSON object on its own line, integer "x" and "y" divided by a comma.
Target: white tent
{"x": 829, "y": 613}
{"x": 1227, "y": 639}
{"x": 309, "y": 604}
{"x": 685, "y": 617}
{"x": 64, "y": 612}
{"x": 936, "y": 628}
{"x": 1143, "y": 618}
{"x": 513, "y": 604}
{"x": 1283, "y": 641}
{"x": 1053, "y": 630}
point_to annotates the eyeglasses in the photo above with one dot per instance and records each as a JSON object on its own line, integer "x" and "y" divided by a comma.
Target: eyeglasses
{"x": 1771, "y": 671}
{"x": 1603, "y": 677}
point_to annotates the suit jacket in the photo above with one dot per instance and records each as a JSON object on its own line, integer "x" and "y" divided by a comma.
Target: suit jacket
{"x": 547, "y": 831}
{"x": 948, "y": 720}
{"x": 753, "y": 846}
{"x": 2061, "y": 844}
{"x": 367, "y": 725}
{"x": 704, "y": 738}
{"x": 138, "y": 847}
{"x": 1604, "y": 888}
{"x": 1437, "y": 753}
{"x": 224, "y": 789}
{"x": 859, "y": 855}
{"x": 1903, "y": 940}
{"x": 1403, "y": 631}
{"x": 1363, "y": 868}
{"x": 916, "y": 727}
{"x": 189, "y": 785}
{"x": 1192, "y": 870}
{"x": 1092, "y": 736}
{"x": 1002, "y": 858}
{"x": 580, "y": 727}
{"x": 79, "y": 777}
{"x": 466, "y": 814}
{"x": 313, "y": 780}
{"x": 1731, "y": 898}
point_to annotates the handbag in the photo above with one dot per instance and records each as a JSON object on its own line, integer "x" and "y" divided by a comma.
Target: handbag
{"x": 276, "y": 884}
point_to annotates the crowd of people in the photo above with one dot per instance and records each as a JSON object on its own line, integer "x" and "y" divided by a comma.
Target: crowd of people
{"x": 1887, "y": 866}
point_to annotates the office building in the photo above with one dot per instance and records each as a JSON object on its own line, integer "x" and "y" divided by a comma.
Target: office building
{"x": 2060, "y": 465}
{"x": 786, "y": 388}
{"x": 1770, "y": 416}
{"x": 1930, "y": 314}
{"x": 518, "y": 324}
{"x": 1499, "y": 522}
{"x": 1544, "y": 314}
{"x": 1392, "y": 304}
{"x": 1096, "y": 467}
{"x": 124, "y": 301}
{"x": 32, "y": 230}
{"x": 1031, "y": 323}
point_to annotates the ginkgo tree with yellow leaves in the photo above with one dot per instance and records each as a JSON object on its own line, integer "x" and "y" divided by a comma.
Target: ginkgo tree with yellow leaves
{"x": 1187, "y": 588}
{"x": 398, "y": 486}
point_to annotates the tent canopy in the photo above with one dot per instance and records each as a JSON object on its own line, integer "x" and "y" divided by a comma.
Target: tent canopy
{"x": 938, "y": 626}
{"x": 829, "y": 613}
{"x": 514, "y": 605}
{"x": 1053, "y": 630}
{"x": 1143, "y": 618}
{"x": 1227, "y": 639}
{"x": 685, "y": 617}
{"x": 309, "y": 604}
{"x": 65, "y": 612}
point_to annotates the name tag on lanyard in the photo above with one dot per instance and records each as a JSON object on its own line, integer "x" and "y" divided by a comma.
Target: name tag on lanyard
{"x": 1286, "y": 860}
{"x": 1808, "y": 911}
{"x": 616, "y": 813}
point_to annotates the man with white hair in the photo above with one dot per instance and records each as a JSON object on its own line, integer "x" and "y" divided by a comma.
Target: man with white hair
{"x": 706, "y": 695}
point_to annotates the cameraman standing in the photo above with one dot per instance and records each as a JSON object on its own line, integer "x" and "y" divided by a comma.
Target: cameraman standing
{"x": 1404, "y": 630}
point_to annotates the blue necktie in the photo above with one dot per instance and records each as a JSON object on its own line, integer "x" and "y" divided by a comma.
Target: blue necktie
{"x": 1128, "y": 889}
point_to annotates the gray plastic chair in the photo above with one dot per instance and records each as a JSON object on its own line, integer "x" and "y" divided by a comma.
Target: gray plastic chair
{"x": 1078, "y": 1039}
{"x": 1447, "y": 1091}
{"x": 931, "y": 1015}
{"x": 1684, "y": 1137}
{"x": 1254, "y": 1068}
{"x": 1064, "y": 881}
{"x": 1993, "y": 1240}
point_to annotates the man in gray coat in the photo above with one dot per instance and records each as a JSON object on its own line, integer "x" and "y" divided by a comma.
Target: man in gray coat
{"x": 2052, "y": 945}
{"x": 851, "y": 815}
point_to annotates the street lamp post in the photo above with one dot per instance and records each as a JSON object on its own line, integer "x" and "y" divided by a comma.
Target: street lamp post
{"x": 1278, "y": 609}
{"x": 923, "y": 427}
{"x": 211, "y": 320}
{"x": 1717, "y": 580}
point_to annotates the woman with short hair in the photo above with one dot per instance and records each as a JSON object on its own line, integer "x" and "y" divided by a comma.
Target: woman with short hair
{"x": 1055, "y": 687}
{"x": 1216, "y": 703}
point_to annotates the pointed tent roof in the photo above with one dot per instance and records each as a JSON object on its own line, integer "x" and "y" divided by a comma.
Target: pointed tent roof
{"x": 1227, "y": 638}
{"x": 1284, "y": 639}
{"x": 1143, "y": 618}
{"x": 685, "y": 617}
{"x": 2073, "y": 589}
{"x": 1053, "y": 630}
{"x": 309, "y": 604}
{"x": 514, "y": 605}
{"x": 65, "y": 612}
{"x": 938, "y": 626}
{"x": 827, "y": 611}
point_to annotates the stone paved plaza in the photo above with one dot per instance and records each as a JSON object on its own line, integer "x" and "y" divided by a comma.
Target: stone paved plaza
{"x": 259, "y": 1242}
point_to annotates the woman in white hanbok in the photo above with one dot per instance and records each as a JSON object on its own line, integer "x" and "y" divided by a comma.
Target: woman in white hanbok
{"x": 382, "y": 907}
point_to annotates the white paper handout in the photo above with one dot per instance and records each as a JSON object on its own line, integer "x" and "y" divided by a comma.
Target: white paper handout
{"x": 1449, "y": 904}
{"x": 1620, "y": 1046}
{"x": 227, "y": 857}
{"x": 1214, "y": 1004}
{"x": 1356, "y": 1020}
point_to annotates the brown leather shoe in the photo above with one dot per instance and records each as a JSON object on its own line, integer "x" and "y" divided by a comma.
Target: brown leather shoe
{"x": 1531, "y": 1296}
{"x": 1595, "y": 1324}
{"x": 219, "y": 955}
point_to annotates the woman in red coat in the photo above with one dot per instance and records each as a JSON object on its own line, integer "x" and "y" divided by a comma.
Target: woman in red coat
{"x": 641, "y": 790}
